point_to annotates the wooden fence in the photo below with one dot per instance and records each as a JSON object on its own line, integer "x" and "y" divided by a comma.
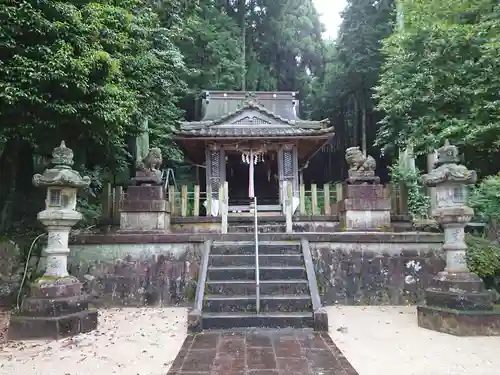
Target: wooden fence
{"x": 189, "y": 200}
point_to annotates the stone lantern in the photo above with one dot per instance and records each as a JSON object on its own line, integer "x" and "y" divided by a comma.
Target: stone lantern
{"x": 456, "y": 301}
{"x": 56, "y": 306}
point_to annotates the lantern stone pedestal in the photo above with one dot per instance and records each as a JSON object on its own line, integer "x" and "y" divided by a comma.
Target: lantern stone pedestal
{"x": 364, "y": 205}
{"x": 145, "y": 209}
{"x": 456, "y": 301}
{"x": 56, "y": 306}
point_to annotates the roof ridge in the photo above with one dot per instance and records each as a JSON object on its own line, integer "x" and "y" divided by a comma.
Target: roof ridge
{"x": 252, "y": 104}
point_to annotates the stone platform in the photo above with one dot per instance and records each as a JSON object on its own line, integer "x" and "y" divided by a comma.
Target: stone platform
{"x": 459, "y": 322}
{"x": 458, "y": 304}
{"x": 54, "y": 310}
{"x": 54, "y": 327}
{"x": 273, "y": 352}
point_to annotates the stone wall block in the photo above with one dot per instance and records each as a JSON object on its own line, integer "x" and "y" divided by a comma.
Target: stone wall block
{"x": 371, "y": 275}
{"x": 161, "y": 278}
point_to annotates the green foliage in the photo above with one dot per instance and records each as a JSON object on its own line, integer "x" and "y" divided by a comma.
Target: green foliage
{"x": 88, "y": 203}
{"x": 86, "y": 71}
{"x": 91, "y": 210}
{"x": 483, "y": 258}
{"x": 485, "y": 199}
{"x": 91, "y": 72}
{"x": 440, "y": 78}
{"x": 211, "y": 44}
{"x": 418, "y": 201}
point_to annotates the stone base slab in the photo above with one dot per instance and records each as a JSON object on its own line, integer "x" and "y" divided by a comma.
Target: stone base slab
{"x": 365, "y": 220}
{"x": 459, "y": 300}
{"x": 463, "y": 281}
{"x": 143, "y": 179}
{"x": 54, "y": 307}
{"x": 361, "y": 204}
{"x": 459, "y": 322}
{"x": 24, "y": 327}
{"x": 57, "y": 288}
{"x": 145, "y": 221}
{"x": 369, "y": 192}
{"x": 368, "y": 179}
{"x": 146, "y": 193}
{"x": 135, "y": 205}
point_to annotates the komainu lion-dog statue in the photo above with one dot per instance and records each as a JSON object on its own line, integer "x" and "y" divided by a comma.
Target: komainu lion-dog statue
{"x": 360, "y": 166}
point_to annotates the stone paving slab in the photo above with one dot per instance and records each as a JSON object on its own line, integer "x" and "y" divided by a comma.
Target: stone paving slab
{"x": 260, "y": 352}
{"x": 128, "y": 341}
{"x": 387, "y": 340}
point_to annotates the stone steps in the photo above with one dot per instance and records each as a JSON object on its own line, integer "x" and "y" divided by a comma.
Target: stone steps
{"x": 248, "y": 273}
{"x": 262, "y": 320}
{"x": 263, "y": 228}
{"x": 265, "y": 260}
{"x": 248, "y": 248}
{"x": 267, "y": 287}
{"x": 230, "y": 299}
{"x": 268, "y": 303}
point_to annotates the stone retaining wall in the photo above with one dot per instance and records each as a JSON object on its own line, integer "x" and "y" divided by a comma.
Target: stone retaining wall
{"x": 137, "y": 274}
{"x": 351, "y": 268}
{"x": 389, "y": 273}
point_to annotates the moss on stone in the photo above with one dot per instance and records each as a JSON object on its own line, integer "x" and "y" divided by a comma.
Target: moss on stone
{"x": 44, "y": 279}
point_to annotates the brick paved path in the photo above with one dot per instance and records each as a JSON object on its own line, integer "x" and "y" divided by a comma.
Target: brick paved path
{"x": 273, "y": 352}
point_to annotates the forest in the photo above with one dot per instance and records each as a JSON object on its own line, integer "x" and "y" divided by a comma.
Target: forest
{"x": 400, "y": 75}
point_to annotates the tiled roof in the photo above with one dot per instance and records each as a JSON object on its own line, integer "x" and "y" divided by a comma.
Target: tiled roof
{"x": 280, "y": 126}
{"x": 250, "y": 105}
{"x": 219, "y": 103}
{"x": 253, "y": 131}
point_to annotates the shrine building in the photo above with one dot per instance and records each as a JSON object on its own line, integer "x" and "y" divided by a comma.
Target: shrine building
{"x": 255, "y": 142}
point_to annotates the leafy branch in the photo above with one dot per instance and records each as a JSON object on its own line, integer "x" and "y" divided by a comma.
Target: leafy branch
{"x": 418, "y": 201}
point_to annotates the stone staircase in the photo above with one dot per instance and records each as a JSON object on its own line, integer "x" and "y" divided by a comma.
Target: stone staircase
{"x": 267, "y": 227}
{"x": 229, "y": 298}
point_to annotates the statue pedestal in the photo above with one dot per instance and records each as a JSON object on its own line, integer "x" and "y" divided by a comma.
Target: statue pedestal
{"x": 364, "y": 207}
{"x": 457, "y": 304}
{"x": 145, "y": 209}
{"x": 55, "y": 309}
{"x": 147, "y": 178}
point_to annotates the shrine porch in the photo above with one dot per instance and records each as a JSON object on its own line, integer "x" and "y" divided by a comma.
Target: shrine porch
{"x": 317, "y": 210}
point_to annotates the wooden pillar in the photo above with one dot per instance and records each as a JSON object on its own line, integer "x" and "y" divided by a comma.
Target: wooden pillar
{"x": 215, "y": 171}
{"x": 288, "y": 170}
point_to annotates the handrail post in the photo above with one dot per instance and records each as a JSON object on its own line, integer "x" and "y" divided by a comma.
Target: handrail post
{"x": 288, "y": 207}
{"x": 223, "y": 204}
{"x": 257, "y": 276}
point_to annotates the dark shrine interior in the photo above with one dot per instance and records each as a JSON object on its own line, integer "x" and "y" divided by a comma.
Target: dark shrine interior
{"x": 266, "y": 179}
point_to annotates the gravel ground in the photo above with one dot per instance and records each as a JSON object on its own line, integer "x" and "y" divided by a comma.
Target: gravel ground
{"x": 133, "y": 341}
{"x": 387, "y": 341}
{"x": 144, "y": 341}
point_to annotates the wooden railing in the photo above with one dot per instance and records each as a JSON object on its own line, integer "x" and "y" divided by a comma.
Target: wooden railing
{"x": 189, "y": 201}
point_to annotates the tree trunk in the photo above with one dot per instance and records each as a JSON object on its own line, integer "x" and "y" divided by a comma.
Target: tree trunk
{"x": 242, "y": 11}
{"x": 356, "y": 122}
{"x": 431, "y": 160}
{"x": 363, "y": 126}
{"x": 8, "y": 173}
